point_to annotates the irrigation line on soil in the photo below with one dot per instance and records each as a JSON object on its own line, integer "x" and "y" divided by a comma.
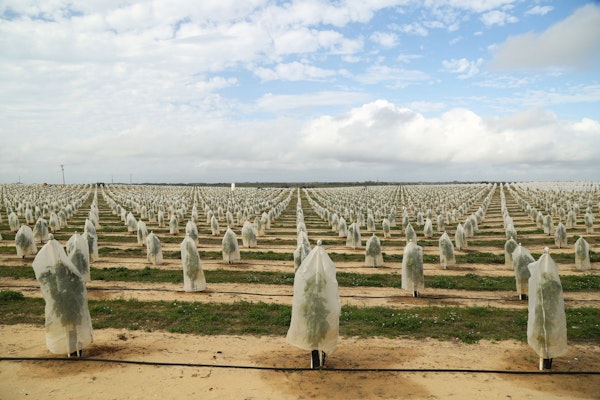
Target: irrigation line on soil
{"x": 290, "y": 369}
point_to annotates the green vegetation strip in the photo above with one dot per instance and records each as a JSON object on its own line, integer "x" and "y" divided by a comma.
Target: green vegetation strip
{"x": 469, "y": 281}
{"x": 468, "y": 324}
{"x": 470, "y": 257}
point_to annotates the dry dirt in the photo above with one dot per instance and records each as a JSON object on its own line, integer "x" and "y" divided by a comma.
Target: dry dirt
{"x": 208, "y": 380}
{"x": 211, "y": 378}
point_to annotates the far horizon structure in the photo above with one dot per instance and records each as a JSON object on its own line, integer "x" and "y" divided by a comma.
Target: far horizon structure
{"x": 232, "y": 186}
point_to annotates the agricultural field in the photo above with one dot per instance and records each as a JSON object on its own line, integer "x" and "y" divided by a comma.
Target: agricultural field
{"x": 467, "y": 328}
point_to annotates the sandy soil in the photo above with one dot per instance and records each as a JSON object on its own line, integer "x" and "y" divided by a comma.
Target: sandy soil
{"x": 210, "y": 378}
{"x": 81, "y": 378}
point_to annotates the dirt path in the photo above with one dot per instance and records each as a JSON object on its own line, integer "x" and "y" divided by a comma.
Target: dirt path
{"x": 72, "y": 380}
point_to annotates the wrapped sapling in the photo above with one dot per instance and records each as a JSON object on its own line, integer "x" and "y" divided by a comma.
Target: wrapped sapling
{"x": 521, "y": 259}
{"x": 546, "y": 321}
{"x": 413, "y": 279}
{"x": 24, "y": 242}
{"x": 373, "y": 255}
{"x": 460, "y": 239}
{"x": 248, "y": 235}
{"x": 582, "y": 254}
{"x": 560, "y": 236}
{"x": 509, "y": 247}
{"x": 41, "y": 232}
{"x": 153, "y": 249}
{"x": 191, "y": 230}
{"x": 231, "y": 250}
{"x": 447, "y": 257}
{"x": 316, "y": 307}
{"x": 142, "y": 233}
{"x": 193, "y": 276}
{"x": 79, "y": 253}
{"x": 68, "y": 322}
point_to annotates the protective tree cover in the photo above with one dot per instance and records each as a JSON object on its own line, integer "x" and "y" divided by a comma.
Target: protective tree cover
{"x": 174, "y": 225}
{"x": 511, "y": 232}
{"x": 468, "y": 228}
{"x": 214, "y": 226}
{"x": 342, "y": 228}
{"x": 259, "y": 226}
{"x": 13, "y": 221}
{"x": 354, "y": 238}
{"x": 131, "y": 223}
{"x": 371, "y": 223}
{"x": 546, "y": 321}
{"x": 231, "y": 250}
{"x": 40, "y": 230}
{"x": 588, "y": 220}
{"x": 24, "y": 242}
{"x": 193, "y": 276}
{"x": 53, "y": 222}
{"x": 441, "y": 225}
{"x": 428, "y": 228}
{"x": 460, "y": 239}
{"x": 89, "y": 231}
{"x": 79, "y": 253}
{"x": 521, "y": 259}
{"x": 548, "y": 224}
{"x": 447, "y": 257}
{"x": 560, "y": 236}
{"x": 373, "y": 255}
{"x": 153, "y": 249}
{"x": 412, "y": 268}
{"x": 191, "y": 230}
{"x": 411, "y": 235}
{"x": 316, "y": 304}
{"x": 509, "y": 247}
{"x": 68, "y": 322}
{"x": 582, "y": 254}
{"x": 248, "y": 235}
{"x": 335, "y": 220}
{"x": 302, "y": 250}
{"x": 571, "y": 219}
{"x": 386, "y": 226}
{"x": 142, "y": 233}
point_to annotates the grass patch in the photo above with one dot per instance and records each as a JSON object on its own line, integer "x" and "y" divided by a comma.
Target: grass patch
{"x": 469, "y": 281}
{"x": 468, "y": 324}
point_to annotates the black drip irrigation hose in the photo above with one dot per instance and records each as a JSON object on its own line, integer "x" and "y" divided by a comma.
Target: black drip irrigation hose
{"x": 293, "y": 369}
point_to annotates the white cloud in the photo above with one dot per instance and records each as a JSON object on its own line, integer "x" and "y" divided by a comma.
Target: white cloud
{"x": 375, "y": 138}
{"x": 277, "y": 103}
{"x": 392, "y": 76}
{"x": 294, "y": 71}
{"x": 476, "y": 6}
{"x": 384, "y": 39}
{"x": 414, "y": 28}
{"x": 394, "y": 136}
{"x": 462, "y": 67}
{"x": 497, "y": 17}
{"x": 573, "y": 43}
{"x": 539, "y": 10}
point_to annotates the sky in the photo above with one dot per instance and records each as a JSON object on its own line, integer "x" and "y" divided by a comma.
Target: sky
{"x": 214, "y": 91}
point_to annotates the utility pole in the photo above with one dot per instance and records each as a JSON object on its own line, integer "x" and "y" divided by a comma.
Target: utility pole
{"x": 62, "y": 167}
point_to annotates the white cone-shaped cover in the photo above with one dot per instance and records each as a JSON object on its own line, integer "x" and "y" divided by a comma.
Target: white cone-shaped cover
{"x": 316, "y": 305}
{"x": 193, "y": 276}
{"x": 412, "y": 268}
{"x": 68, "y": 323}
{"x": 79, "y": 253}
{"x": 546, "y": 322}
